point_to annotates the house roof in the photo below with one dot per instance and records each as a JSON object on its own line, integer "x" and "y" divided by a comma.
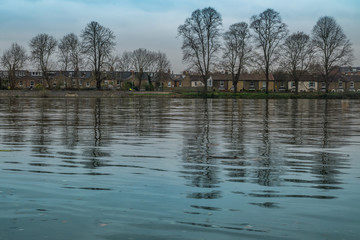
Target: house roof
{"x": 350, "y": 78}
{"x": 349, "y": 69}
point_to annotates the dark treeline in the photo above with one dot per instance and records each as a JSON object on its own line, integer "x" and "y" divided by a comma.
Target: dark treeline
{"x": 246, "y": 46}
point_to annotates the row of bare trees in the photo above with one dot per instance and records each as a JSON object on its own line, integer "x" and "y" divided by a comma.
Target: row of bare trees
{"x": 94, "y": 49}
{"x": 260, "y": 44}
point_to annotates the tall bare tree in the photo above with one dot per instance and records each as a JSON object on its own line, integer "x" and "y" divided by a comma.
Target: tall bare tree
{"x": 142, "y": 60}
{"x": 42, "y": 47}
{"x": 297, "y": 56}
{"x": 64, "y": 53}
{"x": 162, "y": 66}
{"x": 113, "y": 62}
{"x": 162, "y": 63}
{"x": 237, "y": 50}
{"x": 201, "y": 40}
{"x": 332, "y": 45}
{"x": 70, "y": 54}
{"x": 269, "y": 33}
{"x": 124, "y": 63}
{"x": 98, "y": 43}
{"x": 13, "y": 60}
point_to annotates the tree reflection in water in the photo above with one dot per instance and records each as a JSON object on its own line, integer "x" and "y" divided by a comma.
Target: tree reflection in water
{"x": 199, "y": 167}
{"x": 267, "y": 142}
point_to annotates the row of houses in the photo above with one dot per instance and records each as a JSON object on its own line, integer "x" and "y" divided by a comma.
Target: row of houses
{"x": 346, "y": 79}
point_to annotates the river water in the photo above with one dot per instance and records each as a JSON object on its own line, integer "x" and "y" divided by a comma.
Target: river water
{"x": 159, "y": 168}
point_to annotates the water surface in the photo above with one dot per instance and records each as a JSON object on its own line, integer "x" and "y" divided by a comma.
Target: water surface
{"x": 158, "y": 168}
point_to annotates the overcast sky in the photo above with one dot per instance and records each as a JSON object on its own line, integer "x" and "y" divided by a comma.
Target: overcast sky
{"x": 152, "y": 24}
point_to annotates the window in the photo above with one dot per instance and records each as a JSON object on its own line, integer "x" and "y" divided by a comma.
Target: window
{"x": 179, "y": 84}
{"x": 209, "y": 82}
{"x": 32, "y": 83}
{"x": 352, "y": 85}
{"x": 106, "y": 82}
{"x": 118, "y": 82}
{"x": 169, "y": 84}
{"x": 21, "y": 83}
{"x": 282, "y": 84}
{"x": 80, "y": 82}
{"x": 73, "y": 82}
{"x": 293, "y": 84}
{"x": 252, "y": 84}
{"x": 263, "y": 85}
{"x": 222, "y": 84}
{"x": 87, "y": 84}
{"x": 312, "y": 84}
{"x": 340, "y": 84}
{"x": 323, "y": 85}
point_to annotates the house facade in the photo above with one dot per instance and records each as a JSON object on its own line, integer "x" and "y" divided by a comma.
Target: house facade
{"x": 247, "y": 82}
{"x": 346, "y": 79}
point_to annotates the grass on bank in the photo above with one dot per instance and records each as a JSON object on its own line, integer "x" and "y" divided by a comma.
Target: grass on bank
{"x": 180, "y": 94}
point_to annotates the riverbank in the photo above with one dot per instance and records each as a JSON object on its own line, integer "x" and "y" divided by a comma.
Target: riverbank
{"x": 122, "y": 94}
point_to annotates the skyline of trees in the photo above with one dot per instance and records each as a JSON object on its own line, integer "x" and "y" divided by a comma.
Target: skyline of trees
{"x": 207, "y": 48}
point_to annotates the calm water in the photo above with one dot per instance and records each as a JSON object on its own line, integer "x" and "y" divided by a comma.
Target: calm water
{"x": 154, "y": 168}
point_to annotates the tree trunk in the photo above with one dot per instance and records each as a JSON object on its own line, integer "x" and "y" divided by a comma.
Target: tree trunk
{"x": 235, "y": 81}
{"x": 205, "y": 84}
{"x": 267, "y": 80}
{"x": 12, "y": 79}
{"x": 98, "y": 80}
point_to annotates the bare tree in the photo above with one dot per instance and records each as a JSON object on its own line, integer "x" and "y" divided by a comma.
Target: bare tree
{"x": 142, "y": 60}
{"x": 201, "y": 34}
{"x": 162, "y": 66}
{"x": 125, "y": 63}
{"x": 113, "y": 62}
{"x": 333, "y": 46}
{"x": 269, "y": 33}
{"x": 42, "y": 47}
{"x": 98, "y": 43}
{"x": 13, "y": 60}
{"x": 70, "y": 54}
{"x": 76, "y": 55}
{"x": 162, "y": 62}
{"x": 64, "y": 52}
{"x": 237, "y": 50}
{"x": 298, "y": 55}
